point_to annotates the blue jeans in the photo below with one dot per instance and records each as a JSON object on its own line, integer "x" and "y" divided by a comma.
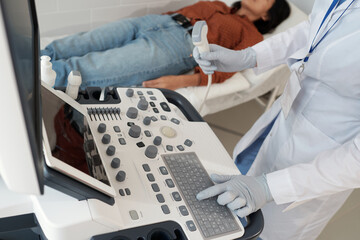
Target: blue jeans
{"x": 124, "y": 53}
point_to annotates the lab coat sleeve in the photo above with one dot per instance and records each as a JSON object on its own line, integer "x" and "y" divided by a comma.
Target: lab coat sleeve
{"x": 332, "y": 171}
{"x": 275, "y": 50}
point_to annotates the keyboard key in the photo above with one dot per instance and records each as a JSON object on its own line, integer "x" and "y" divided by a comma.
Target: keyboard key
{"x": 188, "y": 142}
{"x": 147, "y": 133}
{"x": 170, "y": 183}
{"x": 160, "y": 198}
{"x": 146, "y": 167}
{"x": 121, "y": 191}
{"x": 176, "y": 196}
{"x": 117, "y": 129}
{"x": 165, "y": 209}
{"x": 127, "y": 191}
{"x": 191, "y": 226}
{"x": 151, "y": 177}
{"x": 183, "y": 211}
{"x": 164, "y": 171}
{"x": 180, "y": 147}
{"x": 155, "y": 187}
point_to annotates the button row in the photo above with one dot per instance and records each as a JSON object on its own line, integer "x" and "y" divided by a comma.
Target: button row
{"x": 127, "y": 191}
{"x": 103, "y": 110}
{"x": 170, "y": 183}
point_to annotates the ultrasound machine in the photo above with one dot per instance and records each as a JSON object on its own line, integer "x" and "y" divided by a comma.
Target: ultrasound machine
{"x": 124, "y": 167}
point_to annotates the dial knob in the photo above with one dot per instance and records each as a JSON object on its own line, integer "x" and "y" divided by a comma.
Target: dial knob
{"x": 147, "y": 121}
{"x": 110, "y": 151}
{"x": 120, "y": 176}
{"x": 157, "y": 140}
{"x": 151, "y": 151}
{"x": 132, "y": 113}
{"x": 115, "y": 163}
{"x": 130, "y": 92}
{"x": 106, "y": 139}
{"x": 135, "y": 131}
{"x": 101, "y": 128}
{"x": 143, "y": 104}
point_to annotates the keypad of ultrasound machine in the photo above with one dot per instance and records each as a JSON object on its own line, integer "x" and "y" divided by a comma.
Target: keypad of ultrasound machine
{"x": 146, "y": 122}
{"x": 143, "y": 143}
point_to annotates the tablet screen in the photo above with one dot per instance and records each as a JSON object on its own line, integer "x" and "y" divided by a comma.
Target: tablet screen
{"x": 69, "y": 136}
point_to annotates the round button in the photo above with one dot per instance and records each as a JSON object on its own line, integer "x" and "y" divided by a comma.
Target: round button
{"x": 110, "y": 151}
{"x": 120, "y": 176}
{"x": 106, "y": 139}
{"x": 132, "y": 113}
{"x": 135, "y": 131}
{"x": 101, "y": 128}
{"x": 143, "y": 104}
{"x": 151, "y": 151}
{"x": 168, "y": 132}
{"x": 130, "y": 92}
{"x": 157, "y": 140}
{"x": 147, "y": 121}
{"x": 115, "y": 163}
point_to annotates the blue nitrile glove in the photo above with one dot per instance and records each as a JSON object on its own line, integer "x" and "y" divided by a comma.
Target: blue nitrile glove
{"x": 242, "y": 194}
{"x": 224, "y": 60}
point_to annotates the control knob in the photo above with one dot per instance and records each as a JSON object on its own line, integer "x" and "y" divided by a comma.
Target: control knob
{"x": 132, "y": 113}
{"x": 151, "y": 151}
{"x": 135, "y": 131}
{"x": 143, "y": 104}
{"x": 130, "y": 92}
{"x": 106, "y": 139}
{"x": 110, "y": 151}
{"x": 120, "y": 176}
{"x": 157, "y": 140}
{"x": 115, "y": 163}
{"x": 101, "y": 128}
{"x": 147, "y": 121}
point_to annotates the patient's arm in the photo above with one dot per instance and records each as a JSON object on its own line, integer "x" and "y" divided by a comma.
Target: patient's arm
{"x": 174, "y": 82}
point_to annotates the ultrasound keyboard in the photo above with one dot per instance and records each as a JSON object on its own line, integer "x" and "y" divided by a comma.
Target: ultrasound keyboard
{"x": 190, "y": 177}
{"x": 155, "y": 161}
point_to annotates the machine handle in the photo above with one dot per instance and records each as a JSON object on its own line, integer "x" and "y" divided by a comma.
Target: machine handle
{"x": 183, "y": 104}
{"x": 255, "y": 225}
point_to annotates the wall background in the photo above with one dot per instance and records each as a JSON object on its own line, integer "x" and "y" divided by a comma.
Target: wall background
{"x": 58, "y": 17}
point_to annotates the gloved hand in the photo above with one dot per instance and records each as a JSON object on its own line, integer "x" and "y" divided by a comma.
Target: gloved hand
{"x": 224, "y": 60}
{"x": 242, "y": 194}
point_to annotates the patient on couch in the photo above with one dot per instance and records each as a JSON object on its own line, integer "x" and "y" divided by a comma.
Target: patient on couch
{"x": 155, "y": 50}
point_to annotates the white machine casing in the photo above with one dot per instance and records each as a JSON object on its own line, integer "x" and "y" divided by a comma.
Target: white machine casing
{"x": 15, "y": 149}
{"x": 142, "y": 199}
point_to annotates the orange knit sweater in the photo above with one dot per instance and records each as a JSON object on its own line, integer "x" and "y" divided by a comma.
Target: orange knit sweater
{"x": 225, "y": 29}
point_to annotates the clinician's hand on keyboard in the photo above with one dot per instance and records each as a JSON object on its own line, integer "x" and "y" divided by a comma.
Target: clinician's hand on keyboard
{"x": 242, "y": 194}
{"x": 190, "y": 176}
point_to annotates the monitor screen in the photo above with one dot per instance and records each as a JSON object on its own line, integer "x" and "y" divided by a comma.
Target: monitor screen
{"x": 21, "y": 28}
{"x": 70, "y": 139}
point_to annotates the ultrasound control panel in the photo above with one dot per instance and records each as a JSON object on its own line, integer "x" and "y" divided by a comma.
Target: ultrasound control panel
{"x": 156, "y": 160}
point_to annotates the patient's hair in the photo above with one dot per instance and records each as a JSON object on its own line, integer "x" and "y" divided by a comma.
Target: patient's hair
{"x": 277, "y": 13}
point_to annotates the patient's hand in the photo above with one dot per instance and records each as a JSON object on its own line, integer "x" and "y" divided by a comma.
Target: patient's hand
{"x": 173, "y": 82}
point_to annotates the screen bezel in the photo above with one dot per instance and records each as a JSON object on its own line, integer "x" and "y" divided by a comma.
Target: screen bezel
{"x": 34, "y": 129}
{"x": 64, "y": 168}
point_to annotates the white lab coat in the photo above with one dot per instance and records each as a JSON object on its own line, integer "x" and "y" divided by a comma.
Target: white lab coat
{"x": 312, "y": 154}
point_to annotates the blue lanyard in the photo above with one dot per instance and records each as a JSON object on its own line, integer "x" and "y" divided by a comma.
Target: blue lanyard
{"x": 334, "y": 4}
